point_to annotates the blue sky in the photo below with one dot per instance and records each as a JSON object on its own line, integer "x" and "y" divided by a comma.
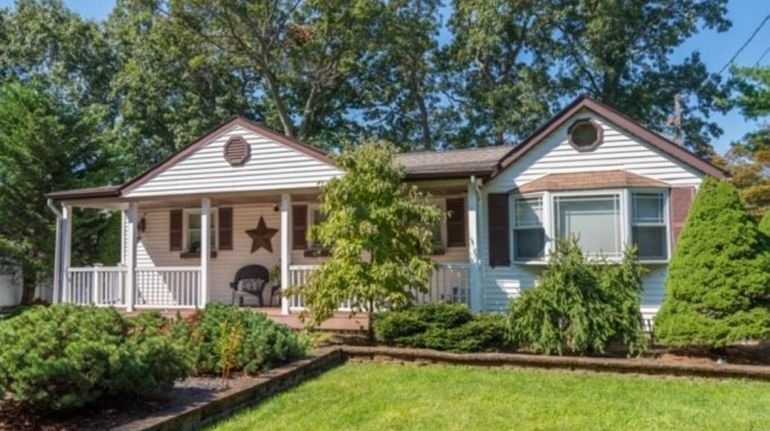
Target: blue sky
{"x": 715, "y": 48}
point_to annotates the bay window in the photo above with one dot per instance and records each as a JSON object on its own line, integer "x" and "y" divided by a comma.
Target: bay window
{"x": 528, "y": 230}
{"x": 593, "y": 220}
{"x": 603, "y": 222}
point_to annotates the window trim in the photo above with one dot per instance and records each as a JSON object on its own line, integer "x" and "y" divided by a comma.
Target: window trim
{"x": 186, "y": 212}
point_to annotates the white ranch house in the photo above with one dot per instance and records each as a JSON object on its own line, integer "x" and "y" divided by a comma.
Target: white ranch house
{"x": 242, "y": 195}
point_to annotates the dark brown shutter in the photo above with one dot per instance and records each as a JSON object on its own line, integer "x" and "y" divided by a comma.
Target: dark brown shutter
{"x": 497, "y": 220}
{"x": 455, "y": 222}
{"x": 175, "y": 230}
{"x": 299, "y": 227}
{"x": 226, "y": 228}
{"x": 679, "y": 203}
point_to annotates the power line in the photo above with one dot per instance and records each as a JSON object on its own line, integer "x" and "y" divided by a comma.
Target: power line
{"x": 745, "y": 44}
{"x": 762, "y": 56}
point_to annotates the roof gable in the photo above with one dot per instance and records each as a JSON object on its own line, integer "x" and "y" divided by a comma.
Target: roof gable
{"x": 275, "y": 162}
{"x": 622, "y": 121}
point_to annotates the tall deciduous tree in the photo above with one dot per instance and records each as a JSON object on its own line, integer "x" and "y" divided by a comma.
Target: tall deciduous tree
{"x": 718, "y": 285}
{"x": 749, "y": 159}
{"x": 496, "y": 71}
{"x": 400, "y": 85}
{"x": 379, "y": 230}
{"x": 306, "y": 52}
{"x": 169, "y": 87}
{"x": 619, "y": 51}
{"x": 45, "y": 145}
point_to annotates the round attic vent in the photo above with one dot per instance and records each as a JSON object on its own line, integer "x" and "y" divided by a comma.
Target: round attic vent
{"x": 585, "y": 135}
{"x": 237, "y": 151}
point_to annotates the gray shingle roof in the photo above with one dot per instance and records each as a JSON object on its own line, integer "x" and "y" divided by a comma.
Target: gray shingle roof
{"x": 460, "y": 163}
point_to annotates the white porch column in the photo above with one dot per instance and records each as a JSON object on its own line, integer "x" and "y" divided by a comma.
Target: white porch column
{"x": 205, "y": 250}
{"x": 474, "y": 202}
{"x": 285, "y": 250}
{"x": 65, "y": 252}
{"x": 130, "y": 216}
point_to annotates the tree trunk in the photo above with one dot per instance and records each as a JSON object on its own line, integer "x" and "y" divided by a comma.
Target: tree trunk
{"x": 29, "y": 284}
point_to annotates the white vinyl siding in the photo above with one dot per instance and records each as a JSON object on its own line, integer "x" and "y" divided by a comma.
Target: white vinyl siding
{"x": 272, "y": 166}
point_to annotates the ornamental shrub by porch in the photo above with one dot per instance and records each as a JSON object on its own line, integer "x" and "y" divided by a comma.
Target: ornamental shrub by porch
{"x": 260, "y": 344}
{"x": 63, "y": 356}
{"x": 579, "y": 305}
{"x": 441, "y": 326}
{"x": 718, "y": 285}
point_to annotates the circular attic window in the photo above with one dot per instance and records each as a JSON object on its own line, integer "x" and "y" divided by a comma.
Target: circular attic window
{"x": 237, "y": 151}
{"x": 585, "y": 135}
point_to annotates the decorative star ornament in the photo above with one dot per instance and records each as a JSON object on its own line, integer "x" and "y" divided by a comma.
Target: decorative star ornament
{"x": 261, "y": 237}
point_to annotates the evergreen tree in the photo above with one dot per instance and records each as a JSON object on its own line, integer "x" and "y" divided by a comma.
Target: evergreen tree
{"x": 764, "y": 224}
{"x": 718, "y": 286}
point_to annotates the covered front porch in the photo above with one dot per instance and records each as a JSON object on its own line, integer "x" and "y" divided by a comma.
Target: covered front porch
{"x": 183, "y": 252}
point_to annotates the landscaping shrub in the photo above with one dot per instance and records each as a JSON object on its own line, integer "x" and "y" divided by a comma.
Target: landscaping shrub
{"x": 258, "y": 343}
{"x": 718, "y": 285}
{"x": 764, "y": 224}
{"x": 441, "y": 326}
{"x": 64, "y": 356}
{"x": 580, "y": 306}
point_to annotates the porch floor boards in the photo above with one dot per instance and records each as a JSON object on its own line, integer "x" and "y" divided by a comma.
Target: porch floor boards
{"x": 341, "y": 321}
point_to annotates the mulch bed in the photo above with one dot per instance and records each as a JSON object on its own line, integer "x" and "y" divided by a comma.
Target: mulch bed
{"x": 112, "y": 413}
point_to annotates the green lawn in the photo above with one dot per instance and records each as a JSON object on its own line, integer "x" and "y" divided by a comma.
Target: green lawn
{"x": 394, "y": 397}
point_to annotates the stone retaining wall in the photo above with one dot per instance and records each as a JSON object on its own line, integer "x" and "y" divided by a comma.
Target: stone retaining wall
{"x": 617, "y": 365}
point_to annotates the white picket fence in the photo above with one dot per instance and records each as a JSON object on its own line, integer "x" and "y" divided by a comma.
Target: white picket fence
{"x": 450, "y": 282}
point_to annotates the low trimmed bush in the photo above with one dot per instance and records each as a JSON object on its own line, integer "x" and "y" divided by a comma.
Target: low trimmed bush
{"x": 223, "y": 338}
{"x": 63, "y": 356}
{"x": 443, "y": 327}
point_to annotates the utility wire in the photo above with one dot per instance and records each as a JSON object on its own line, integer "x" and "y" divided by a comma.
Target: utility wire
{"x": 745, "y": 44}
{"x": 737, "y": 53}
{"x": 762, "y": 56}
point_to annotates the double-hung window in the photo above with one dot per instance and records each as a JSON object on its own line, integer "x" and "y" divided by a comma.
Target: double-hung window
{"x": 593, "y": 219}
{"x": 193, "y": 237}
{"x": 528, "y": 229}
{"x": 648, "y": 225}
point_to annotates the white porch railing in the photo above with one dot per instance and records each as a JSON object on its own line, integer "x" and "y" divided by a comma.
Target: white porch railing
{"x": 450, "y": 282}
{"x": 156, "y": 287}
{"x": 167, "y": 287}
{"x": 104, "y": 285}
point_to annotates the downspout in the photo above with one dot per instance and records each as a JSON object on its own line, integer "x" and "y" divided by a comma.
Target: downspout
{"x": 57, "y": 289}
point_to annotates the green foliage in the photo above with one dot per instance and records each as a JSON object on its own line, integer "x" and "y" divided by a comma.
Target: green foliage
{"x": 718, "y": 285}
{"x": 748, "y": 160}
{"x": 620, "y": 53}
{"x": 764, "y": 224}
{"x": 64, "y": 356}
{"x": 250, "y": 342}
{"x": 45, "y": 144}
{"x": 442, "y": 327}
{"x": 580, "y": 306}
{"x": 379, "y": 231}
